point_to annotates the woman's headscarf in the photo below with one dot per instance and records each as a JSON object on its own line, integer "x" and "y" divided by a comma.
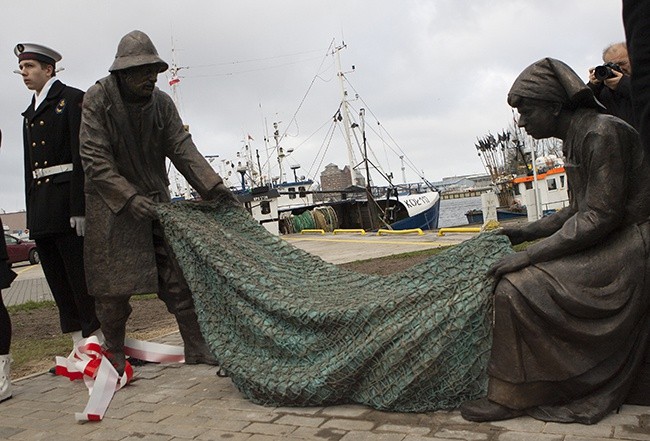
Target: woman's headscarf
{"x": 552, "y": 80}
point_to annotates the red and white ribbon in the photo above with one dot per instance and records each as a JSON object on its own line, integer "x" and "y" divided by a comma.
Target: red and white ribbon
{"x": 88, "y": 361}
{"x": 153, "y": 352}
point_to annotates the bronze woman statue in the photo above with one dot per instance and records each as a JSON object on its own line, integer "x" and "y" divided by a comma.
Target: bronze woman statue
{"x": 571, "y": 311}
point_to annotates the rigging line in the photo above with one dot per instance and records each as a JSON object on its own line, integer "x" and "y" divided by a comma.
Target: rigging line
{"x": 316, "y": 76}
{"x": 375, "y": 116}
{"x": 387, "y": 146}
{"x": 230, "y": 63}
{"x": 293, "y": 118}
{"x": 315, "y": 131}
{"x": 261, "y": 69}
{"x": 274, "y": 148}
{"x": 311, "y": 84}
{"x": 386, "y": 149}
{"x": 322, "y": 157}
{"x": 325, "y": 80}
{"x": 401, "y": 152}
{"x": 379, "y": 168}
{"x": 360, "y": 98}
{"x": 376, "y": 165}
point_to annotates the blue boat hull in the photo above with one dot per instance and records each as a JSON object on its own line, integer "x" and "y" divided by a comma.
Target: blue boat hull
{"x": 476, "y": 216}
{"x": 427, "y": 220}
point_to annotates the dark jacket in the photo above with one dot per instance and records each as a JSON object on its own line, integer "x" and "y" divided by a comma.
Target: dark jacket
{"x": 50, "y": 138}
{"x": 636, "y": 16}
{"x": 618, "y": 102}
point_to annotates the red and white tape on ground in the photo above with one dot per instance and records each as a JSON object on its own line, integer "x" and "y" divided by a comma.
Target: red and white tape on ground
{"x": 153, "y": 352}
{"x": 87, "y": 361}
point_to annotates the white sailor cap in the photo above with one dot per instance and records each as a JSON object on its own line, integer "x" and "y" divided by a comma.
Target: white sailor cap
{"x": 31, "y": 51}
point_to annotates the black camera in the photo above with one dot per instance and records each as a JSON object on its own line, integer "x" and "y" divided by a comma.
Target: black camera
{"x": 606, "y": 71}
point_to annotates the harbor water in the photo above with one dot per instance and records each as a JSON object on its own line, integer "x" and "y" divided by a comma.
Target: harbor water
{"x": 452, "y": 211}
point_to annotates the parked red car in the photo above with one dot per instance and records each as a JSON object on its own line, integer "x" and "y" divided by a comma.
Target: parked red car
{"x": 20, "y": 250}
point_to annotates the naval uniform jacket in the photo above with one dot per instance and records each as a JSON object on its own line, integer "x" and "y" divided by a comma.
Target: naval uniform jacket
{"x": 51, "y": 138}
{"x": 121, "y": 162}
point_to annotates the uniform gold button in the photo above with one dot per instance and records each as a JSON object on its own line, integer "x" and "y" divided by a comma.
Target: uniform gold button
{"x": 36, "y": 164}
{"x": 33, "y": 144}
{"x": 45, "y": 163}
{"x": 47, "y": 180}
{"x": 32, "y": 125}
{"x": 42, "y": 123}
{"x": 42, "y": 142}
{"x": 38, "y": 182}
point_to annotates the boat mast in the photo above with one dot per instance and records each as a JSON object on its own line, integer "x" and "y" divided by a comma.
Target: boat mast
{"x": 345, "y": 112}
{"x": 279, "y": 150}
{"x": 174, "y": 80}
{"x": 362, "y": 116}
{"x": 372, "y": 209}
{"x": 182, "y": 187}
{"x": 538, "y": 200}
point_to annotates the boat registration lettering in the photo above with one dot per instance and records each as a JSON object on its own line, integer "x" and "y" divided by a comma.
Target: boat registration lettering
{"x": 422, "y": 200}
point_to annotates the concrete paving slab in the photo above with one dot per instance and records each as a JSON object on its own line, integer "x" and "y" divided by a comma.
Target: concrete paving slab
{"x": 344, "y": 248}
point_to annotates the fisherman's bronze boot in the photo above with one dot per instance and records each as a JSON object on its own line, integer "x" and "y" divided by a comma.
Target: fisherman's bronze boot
{"x": 196, "y": 349}
{"x": 113, "y": 316}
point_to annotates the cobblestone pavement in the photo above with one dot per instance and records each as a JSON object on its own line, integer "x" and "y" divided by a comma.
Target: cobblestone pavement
{"x": 179, "y": 402}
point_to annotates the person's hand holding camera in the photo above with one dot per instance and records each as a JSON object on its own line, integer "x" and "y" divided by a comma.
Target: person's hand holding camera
{"x": 609, "y": 74}
{"x": 613, "y": 81}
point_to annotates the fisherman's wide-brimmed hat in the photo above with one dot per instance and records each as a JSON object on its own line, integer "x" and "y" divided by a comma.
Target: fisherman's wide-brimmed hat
{"x": 32, "y": 51}
{"x": 136, "y": 49}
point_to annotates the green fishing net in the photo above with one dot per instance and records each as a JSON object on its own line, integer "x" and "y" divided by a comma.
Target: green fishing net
{"x": 293, "y": 330}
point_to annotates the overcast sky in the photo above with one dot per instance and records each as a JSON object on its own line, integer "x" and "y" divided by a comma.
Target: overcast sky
{"x": 433, "y": 73}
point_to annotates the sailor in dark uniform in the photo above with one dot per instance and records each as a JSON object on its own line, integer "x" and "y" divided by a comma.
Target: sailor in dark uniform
{"x": 54, "y": 186}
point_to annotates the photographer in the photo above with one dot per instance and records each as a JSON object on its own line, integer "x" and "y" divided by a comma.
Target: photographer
{"x": 611, "y": 82}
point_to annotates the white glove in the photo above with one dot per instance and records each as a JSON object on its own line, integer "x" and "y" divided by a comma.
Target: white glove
{"x": 79, "y": 224}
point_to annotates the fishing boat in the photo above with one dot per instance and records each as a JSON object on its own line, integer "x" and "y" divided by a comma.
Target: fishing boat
{"x": 526, "y": 184}
{"x": 534, "y": 196}
{"x": 285, "y": 205}
{"x": 353, "y": 200}
{"x": 476, "y": 216}
{"x": 542, "y": 194}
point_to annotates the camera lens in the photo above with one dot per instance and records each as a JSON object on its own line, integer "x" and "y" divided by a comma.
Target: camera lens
{"x": 603, "y": 72}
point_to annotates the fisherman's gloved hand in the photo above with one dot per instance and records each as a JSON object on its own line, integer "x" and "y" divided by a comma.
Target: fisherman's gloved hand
{"x": 221, "y": 193}
{"x": 79, "y": 224}
{"x": 509, "y": 264}
{"x": 516, "y": 235}
{"x": 142, "y": 208}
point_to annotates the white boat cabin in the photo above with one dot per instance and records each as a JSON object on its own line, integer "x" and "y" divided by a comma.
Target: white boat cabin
{"x": 551, "y": 195}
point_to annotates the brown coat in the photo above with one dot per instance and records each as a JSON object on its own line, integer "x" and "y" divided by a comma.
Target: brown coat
{"x": 119, "y": 254}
